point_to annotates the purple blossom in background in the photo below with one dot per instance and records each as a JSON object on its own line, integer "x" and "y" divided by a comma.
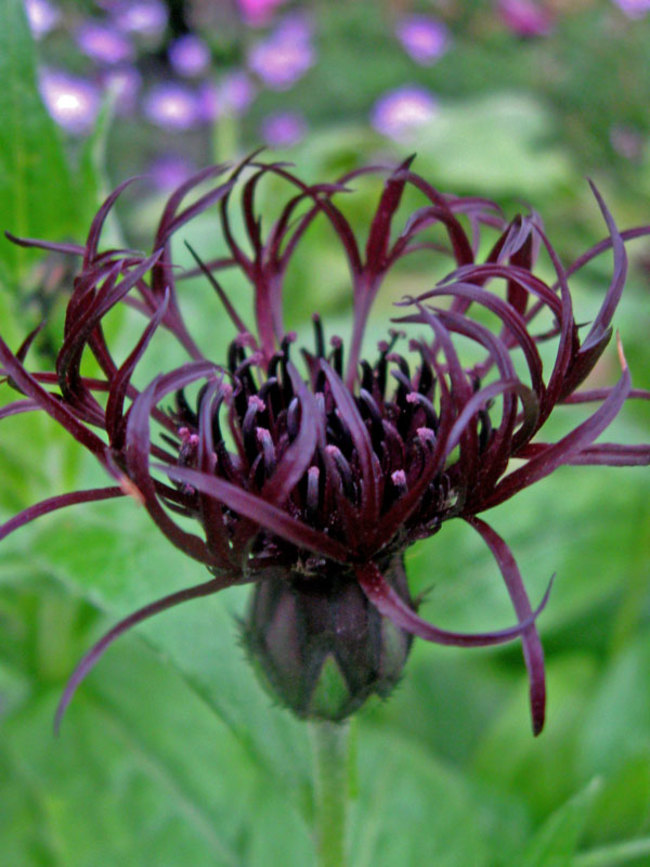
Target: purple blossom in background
{"x": 42, "y": 17}
{"x": 236, "y": 92}
{"x": 172, "y": 106}
{"x": 230, "y": 96}
{"x": 73, "y": 102}
{"x": 627, "y": 142}
{"x": 257, "y": 13}
{"x": 283, "y": 129}
{"x": 125, "y": 82}
{"x": 285, "y": 56}
{"x": 189, "y": 56}
{"x": 399, "y": 113}
{"x": 170, "y": 171}
{"x": 633, "y": 8}
{"x": 424, "y": 38}
{"x": 525, "y": 17}
{"x": 103, "y": 44}
{"x": 147, "y": 18}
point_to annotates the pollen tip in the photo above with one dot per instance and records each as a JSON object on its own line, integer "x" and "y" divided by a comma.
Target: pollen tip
{"x": 426, "y": 435}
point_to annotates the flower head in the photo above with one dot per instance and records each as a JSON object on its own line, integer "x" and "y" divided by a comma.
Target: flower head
{"x": 424, "y": 38}
{"x": 400, "y": 113}
{"x": 310, "y": 478}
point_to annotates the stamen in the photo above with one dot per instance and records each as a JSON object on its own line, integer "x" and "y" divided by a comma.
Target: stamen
{"x": 426, "y": 436}
{"x": 318, "y": 336}
{"x": 293, "y": 426}
{"x": 265, "y": 441}
{"x": 313, "y": 483}
{"x": 431, "y": 416}
{"x": 398, "y": 478}
{"x": 344, "y": 469}
{"x": 336, "y": 356}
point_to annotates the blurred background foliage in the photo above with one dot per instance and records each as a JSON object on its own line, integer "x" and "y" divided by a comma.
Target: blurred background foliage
{"x": 171, "y": 754}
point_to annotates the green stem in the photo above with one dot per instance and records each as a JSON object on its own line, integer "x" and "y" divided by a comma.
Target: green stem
{"x": 331, "y": 767}
{"x": 617, "y": 853}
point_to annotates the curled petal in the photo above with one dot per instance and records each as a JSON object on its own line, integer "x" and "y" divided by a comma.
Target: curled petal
{"x": 389, "y": 603}
{"x": 533, "y": 652}
{"x": 565, "y": 449}
{"x": 261, "y": 512}
{"x": 54, "y": 503}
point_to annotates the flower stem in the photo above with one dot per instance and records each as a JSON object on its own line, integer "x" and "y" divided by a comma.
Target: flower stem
{"x": 330, "y": 747}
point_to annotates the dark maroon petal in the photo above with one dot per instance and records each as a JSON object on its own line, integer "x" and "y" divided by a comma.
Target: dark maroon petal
{"x": 54, "y": 503}
{"x": 60, "y": 413}
{"x": 532, "y": 646}
{"x": 351, "y": 418}
{"x": 379, "y": 234}
{"x": 605, "y": 244}
{"x": 137, "y": 458}
{"x": 480, "y": 399}
{"x": 90, "y": 251}
{"x": 602, "y": 454}
{"x": 261, "y": 512}
{"x": 193, "y": 210}
{"x": 339, "y": 223}
{"x": 568, "y": 334}
{"x": 18, "y": 407}
{"x": 566, "y": 448}
{"x": 230, "y": 310}
{"x": 461, "y": 392}
{"x": 598, "y": 394}
{"x": 72, "y": 249}
{"x": 176, "y": 198}
{"x": 603, "y": 319}
{"x": 153, "y": 608}
{"x": 389, "y": 603}
{"x": 120, "y": 382}
{"x": 462, "y": 248}
{"x": 297, "y": 458}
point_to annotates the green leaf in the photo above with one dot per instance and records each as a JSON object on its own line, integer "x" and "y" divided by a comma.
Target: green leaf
{"x": 143, "y": 773}
{"x": 36, "y": 192}
{"x": 556, "y": 842}
{"x": 119, "y": 561}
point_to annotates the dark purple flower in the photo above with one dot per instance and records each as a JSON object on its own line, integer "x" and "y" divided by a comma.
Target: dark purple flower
{"x": 424, "y": 38}
{"x": 309, "y": 473}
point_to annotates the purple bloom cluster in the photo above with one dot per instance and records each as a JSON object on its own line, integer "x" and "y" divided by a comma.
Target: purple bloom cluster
{"x": 424, "y": 38}
{"x": 400, "y": 113}
{"x": 285, "y": 55}
{"x": 634, "y": 8}
{"x": 310, "y": 478}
